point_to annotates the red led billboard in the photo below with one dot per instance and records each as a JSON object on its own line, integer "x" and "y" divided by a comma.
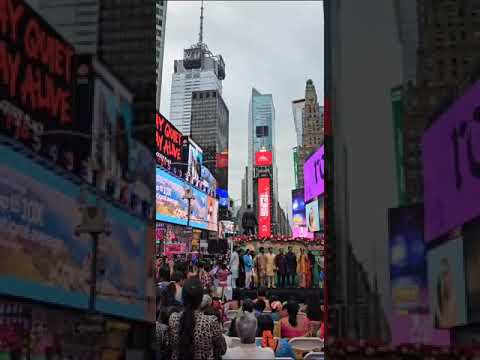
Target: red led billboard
{"x": 264, "y": 215}
{"x": 168, "y": 141}
{"x": 222, "y": 160}
{"x": 263, "y": 158}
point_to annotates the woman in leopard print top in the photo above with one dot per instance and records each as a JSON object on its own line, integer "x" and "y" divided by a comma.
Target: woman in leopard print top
{"x": 193, "y": 335}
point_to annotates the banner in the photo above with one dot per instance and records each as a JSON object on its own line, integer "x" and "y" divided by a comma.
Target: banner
{"x": 212, "y": 217}
{"x": 451, "y": 162}
{"x": 313, "y": 174}
{"x": 408, "y": 264}
{"x": 263, "y": 158}
{"x": 264, "y": 215}
{"x": 299, "y": 227}
{"x": 37, "y": 82}
{"x": 396, "y": 96}
{"x": 169, "y": 142}
{"x": 44, "y": 260}
{"x": 313, "y": 216}
{"x": 171, "y": 207}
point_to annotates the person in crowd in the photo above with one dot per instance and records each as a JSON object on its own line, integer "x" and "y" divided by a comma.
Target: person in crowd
{"x": 161, "y": 333}
{"x": 204, "y": 277}
{"x": 276, "y": 307}
{"x": 167, "y": 298}
{"x": 206, "y": 302}
{"x": 163, "y": 279}
{"x": 291, "y": 267}
{"x": 281, "y": 266}
{"x": 218, "y": 305}
{"x": 261, "y": 267}
{"x": 262, "y": 295}
{"x": 213, "y": 273}
{"x": 281, "y": 347}
{"x": 192, "y": 272}
{"x": 270, "y": 268}
{"x": 233, "y": 304}
{"x": 192, "y": 334}
{"x": 241, "y": 269}
{"x": 234, "y": 266}
{"x": 294, "y": 325}
{"x": 303, "y": 270}
{"x": 249, "y": 221}
{"x": 246, "y": 326}
{"x": 314, "y": 314}
{"x": 313, "y": 266}
{"x": 222, "y": 276}
{"x": 210, "y": 310}
{"x": 260, "y": 306}
{"x": 247, "y": 307}
{"x": 254, "y": 280}
{"x": 179, "y": 278}
{"x": 248, "y": 265}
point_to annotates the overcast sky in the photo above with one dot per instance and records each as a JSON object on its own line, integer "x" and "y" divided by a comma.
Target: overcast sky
{"x": 274, "y": 46}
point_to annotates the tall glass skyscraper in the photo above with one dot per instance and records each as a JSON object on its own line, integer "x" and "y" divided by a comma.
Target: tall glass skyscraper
{"x": 261, "y": 136}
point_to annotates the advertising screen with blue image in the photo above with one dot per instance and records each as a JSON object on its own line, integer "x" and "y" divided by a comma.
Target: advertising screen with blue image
{"x": 222, "y": 197}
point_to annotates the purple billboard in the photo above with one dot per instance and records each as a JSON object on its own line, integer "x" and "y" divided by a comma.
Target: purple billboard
{"x": 451, "y": 166}
{"x": 313, "y": 174}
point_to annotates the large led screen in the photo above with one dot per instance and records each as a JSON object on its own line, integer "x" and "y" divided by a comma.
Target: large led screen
{"x": 446, "y": 280}
{"x": 263, "y": 158}
{"x": 264, "y": 200}
{"x": 299, "y": 222}
{"x": 313, "y": 174}
{"x": 451, "y": 166}
{"x": 313, "y": 216}
{"x": 408, "y": 265}
{"x": 212, "y": 217}
{"x": 171, "y": 207}
{"x": 169, "y": 150}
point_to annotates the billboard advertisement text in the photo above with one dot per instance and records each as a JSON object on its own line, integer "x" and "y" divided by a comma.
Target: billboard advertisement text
{"x": 43, "y": 258}
{"x": 171, "y": 207}
{"x": 168, "y": 141}
{"x": 264, "y": 216}
{"x": 263, "y": 158}
{"x": 299, "y": 228}
{"x": 313, "y": 173}
{"x": 36, "y": 85}
{"x": 451, "y": 159}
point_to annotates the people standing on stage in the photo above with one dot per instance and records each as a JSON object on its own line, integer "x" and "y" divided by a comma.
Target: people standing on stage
{"x": 248, "y": 264}
{"x": 249, "y": 221}
{"x": 234, "y": 266}
{"x": 241, "y": 270}
{"x": 303, "y": 270}
{"x": 313, "y": 262}
{"x": 261, "y": 267}
{"x": 291, "y": 267}
{"x": 270, "y": 268}
{"x": 281, "y": 266}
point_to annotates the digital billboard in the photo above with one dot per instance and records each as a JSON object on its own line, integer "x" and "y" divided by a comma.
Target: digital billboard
{"x": 313, "y": 174}
{"x": 446, "y": 276}
{"x": 451, "y": 159}
{"x": 299, "y": 227}
{"x": 417, "y": 328}
{"x": 408, "y": 264}
{"x": 312, "y": 216}
{"x": 222, "y": 195}
{"x": 42, "y": 257}
{"x": 263, "y": 158}
{"x": 264, "y": 200}
{"x": 208, "y": 180}
{"x": 195, "y": 162}
{"x": 222, "y": 160}
{"x": 171, "y": 207}
{"x": 37, "y": 85}
{"x": 168, "y": 140}
{"x": 212, "y": 217}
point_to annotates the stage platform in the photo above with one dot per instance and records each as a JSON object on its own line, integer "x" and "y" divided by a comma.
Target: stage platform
{"x": 284, "y": 294}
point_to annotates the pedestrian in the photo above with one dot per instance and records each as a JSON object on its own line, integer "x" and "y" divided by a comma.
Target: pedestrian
{"x": 303, "y": 270}
{"x": 234, "y": 266}
{"x": 261, "y": 267}
{"x": 281, "y": 347}
{"x": 249, "y": 221}
{"x": 291, "y": 267}
{"x": 294, "y": 325}
{"x": 270, "y": 268}
{"x": 248, "y": 264}
{"x": 192, "y": 334}
{"x": 222, "y": 275}
{"x": 281, "y": 266}
{"x": 312, "y": 260}
{"x": 241, "y": 269}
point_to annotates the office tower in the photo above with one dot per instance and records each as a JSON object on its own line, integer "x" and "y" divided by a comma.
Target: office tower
{"x": 261, "y": 137}
{"x": 297, "y": 109}
{"x": 406, "y": 13}
{"x": 161, "y": 18}
{"x": 199, "y": 70}
{"x": 309, "y": 127}
{"x": 126, "y": 35}
{"x": 245, "y": 181}
{"x": 209, "y": 129}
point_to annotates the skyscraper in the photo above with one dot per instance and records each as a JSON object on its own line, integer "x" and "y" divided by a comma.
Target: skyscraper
{"x": 132, "y": 53}
{"x": 209, "y": 129}
{"x": 261, "y": 137}
{"x": 297, "y": 108}
{"x": 161, "y": 16}
{"x": 199, "y": 70}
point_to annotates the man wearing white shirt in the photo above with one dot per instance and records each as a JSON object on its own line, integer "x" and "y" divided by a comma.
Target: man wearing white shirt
{"x": 234, "y": 266}
{"x": 246, "y": 325}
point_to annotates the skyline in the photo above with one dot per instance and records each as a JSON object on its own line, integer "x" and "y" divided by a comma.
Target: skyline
{"x": 247, "y": 70}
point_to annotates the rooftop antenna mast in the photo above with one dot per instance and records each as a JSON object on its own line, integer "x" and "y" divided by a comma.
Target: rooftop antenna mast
{"x": 200, "y": 34}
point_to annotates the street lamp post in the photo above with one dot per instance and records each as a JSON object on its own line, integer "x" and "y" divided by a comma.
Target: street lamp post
{"x": 188, "y": 195}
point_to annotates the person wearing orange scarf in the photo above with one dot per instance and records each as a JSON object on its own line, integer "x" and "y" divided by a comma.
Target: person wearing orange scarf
{"x": 303, "y": 270}
{"x": 281, "y": 347}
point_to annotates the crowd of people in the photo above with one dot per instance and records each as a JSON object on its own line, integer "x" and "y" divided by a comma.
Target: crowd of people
{"x": 194, "y": 315}
{"x": 265, "y": 268}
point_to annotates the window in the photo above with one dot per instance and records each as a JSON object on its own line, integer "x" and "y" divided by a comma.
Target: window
{"x": 262, "y": 131}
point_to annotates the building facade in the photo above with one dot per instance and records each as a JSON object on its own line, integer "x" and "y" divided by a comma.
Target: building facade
{"x": 209, "y": 129}
{"x": 297, "y": 108}
{"x": 160, "y": 26}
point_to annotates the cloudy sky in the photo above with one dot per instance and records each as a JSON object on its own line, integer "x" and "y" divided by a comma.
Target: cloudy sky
{"x": 274, "y": 46}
